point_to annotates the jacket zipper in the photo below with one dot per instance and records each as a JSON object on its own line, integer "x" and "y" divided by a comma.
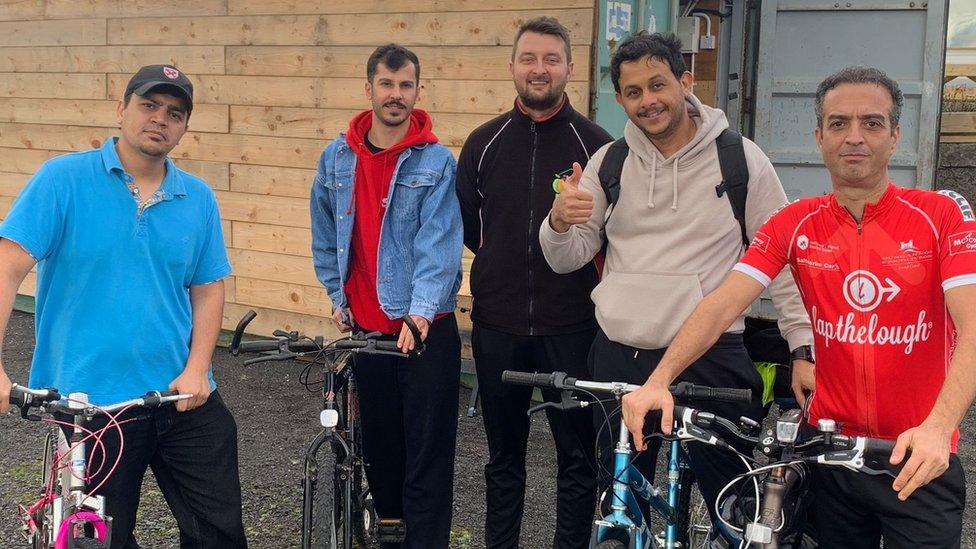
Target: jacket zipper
{"x": 535, "y": 144}
{"x": 865, "y": 378}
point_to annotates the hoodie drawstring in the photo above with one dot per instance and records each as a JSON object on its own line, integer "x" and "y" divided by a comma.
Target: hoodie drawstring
{"x": 650, "y": 194}
{"x": 674, "y": 185}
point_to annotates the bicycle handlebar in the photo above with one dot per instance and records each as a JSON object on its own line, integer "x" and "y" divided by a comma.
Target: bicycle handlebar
{"x": 291, "y": 345}
{"x": 683, "y": 390}
{"x": 51, "y": 400}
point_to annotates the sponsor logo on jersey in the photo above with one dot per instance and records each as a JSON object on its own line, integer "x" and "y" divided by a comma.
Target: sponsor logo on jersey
{"x": 960, "y": 200}
{"x": 962, "y": 243}
{"x": 864, "y": 291}
{"x": 760, "y": 242}
{"x": 802, "y": 242}
{"x": 846, "y": 329}
{"x": 909, "y": 247}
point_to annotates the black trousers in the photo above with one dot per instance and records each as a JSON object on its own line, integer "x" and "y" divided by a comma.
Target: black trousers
{"x": 409, "y": 409}
{"x": 855, "y": 510}
{"x": 193, "y": 456}
{"x": 726, "y": 364}
{"x": 504, "y": 409}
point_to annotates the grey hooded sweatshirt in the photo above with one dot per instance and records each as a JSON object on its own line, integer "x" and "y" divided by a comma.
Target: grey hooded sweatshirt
{"x": 671, "y": 239}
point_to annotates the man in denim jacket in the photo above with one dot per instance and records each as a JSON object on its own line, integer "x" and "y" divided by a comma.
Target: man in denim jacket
{"x": 386, "y": 243}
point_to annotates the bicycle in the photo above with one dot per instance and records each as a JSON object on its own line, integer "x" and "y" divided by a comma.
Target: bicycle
{"x": 69, "y": 515}
{"x": 776, "y": 514}
{"x": 626, "y": 526}
{"x": 337, "y": 507}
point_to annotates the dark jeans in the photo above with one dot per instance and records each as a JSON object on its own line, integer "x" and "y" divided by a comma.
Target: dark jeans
{"x": 409, "y": 409}
{"x": 193, "y": 456}
{"x": 725, "y": 364}
{"x": 504, "y": 407}
{"x": 855, "y": 510}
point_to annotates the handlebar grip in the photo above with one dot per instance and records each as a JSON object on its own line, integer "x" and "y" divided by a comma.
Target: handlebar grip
{"x": 304, "y": 346}
{"x": 878, "y": 447}
{"x": 235, "y": 344}
{"x": 877, "y": 453}
{"x": 389, "y": 346}
{"x": 18, "y": 396}
{"x": 689, "y": 391}
{"x": 526, "y": 378}
{"x": 258, "y": 346}
{"x": 735, "y": 396}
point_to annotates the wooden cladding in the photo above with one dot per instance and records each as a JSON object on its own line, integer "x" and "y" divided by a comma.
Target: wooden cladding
{"x": 274, "y": 81}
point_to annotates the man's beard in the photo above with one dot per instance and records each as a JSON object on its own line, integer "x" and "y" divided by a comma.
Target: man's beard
{"x": 543, "y": 102}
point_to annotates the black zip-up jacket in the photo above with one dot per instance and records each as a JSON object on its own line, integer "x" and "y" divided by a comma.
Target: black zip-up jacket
{"x": 504, "y": 184}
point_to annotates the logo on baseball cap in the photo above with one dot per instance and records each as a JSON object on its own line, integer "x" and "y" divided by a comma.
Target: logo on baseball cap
{"x": 151, "y": 77}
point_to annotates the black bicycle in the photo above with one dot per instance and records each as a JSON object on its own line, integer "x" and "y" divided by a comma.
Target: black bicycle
{"x": 337, "y": 507}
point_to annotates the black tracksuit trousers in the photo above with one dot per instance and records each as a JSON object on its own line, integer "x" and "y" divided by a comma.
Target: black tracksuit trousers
{"x": 409, "y": 409}
{"x": 504, "y": 409}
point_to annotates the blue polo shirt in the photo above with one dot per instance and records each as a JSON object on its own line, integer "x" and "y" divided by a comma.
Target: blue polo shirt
{"x": 113, "y": 305}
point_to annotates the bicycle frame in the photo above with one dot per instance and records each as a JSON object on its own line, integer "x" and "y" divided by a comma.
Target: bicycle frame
{"x": 629, "y": 484}
{"x": 65, "y": 505}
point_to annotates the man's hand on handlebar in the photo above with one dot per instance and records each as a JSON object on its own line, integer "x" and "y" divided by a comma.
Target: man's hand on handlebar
{"x": 929, "y": 459}
{"x": 4, "y": 391}
{"x": 636, "y": 405}
{"x": 192, "y": 383}
{"x": 406, "y": 341}
{"x": 343, "y": 319}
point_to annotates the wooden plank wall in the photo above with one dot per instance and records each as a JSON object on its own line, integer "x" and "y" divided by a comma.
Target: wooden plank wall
{"x": 274, "y": 80}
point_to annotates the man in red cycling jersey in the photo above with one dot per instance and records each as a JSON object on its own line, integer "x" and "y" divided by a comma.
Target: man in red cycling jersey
{"x": 888, "y": 276}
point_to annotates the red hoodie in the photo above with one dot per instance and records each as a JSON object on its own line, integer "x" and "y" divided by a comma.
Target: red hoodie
{"x": 371, "y": 187}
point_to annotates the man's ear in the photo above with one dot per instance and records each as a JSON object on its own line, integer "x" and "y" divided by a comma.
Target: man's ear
{"x": 687, "y": 81}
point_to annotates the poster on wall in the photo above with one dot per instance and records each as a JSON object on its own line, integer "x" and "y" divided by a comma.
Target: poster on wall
{"x": 618, "y": 20}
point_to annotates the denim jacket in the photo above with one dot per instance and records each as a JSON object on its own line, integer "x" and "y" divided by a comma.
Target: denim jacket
{"x": 419, "y": 263}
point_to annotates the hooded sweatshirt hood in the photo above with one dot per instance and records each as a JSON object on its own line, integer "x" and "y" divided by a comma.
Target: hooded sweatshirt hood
{"x": 420, "y": 133}
{"x": 709, "y": 123}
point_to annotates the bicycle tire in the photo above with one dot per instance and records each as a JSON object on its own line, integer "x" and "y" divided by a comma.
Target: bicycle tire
{"x": 611, "y": 544}
{"x": 694, "y": 522}
{"x": 40, "y": 517}
{"x": 327, "y": 516}
{"x": 88, "y": 543}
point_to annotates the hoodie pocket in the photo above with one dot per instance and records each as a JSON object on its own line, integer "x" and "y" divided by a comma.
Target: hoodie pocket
{"x": 645, "y": 310}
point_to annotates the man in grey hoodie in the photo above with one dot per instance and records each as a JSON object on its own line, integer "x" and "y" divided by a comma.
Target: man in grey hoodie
{"x": 669, "y": 241}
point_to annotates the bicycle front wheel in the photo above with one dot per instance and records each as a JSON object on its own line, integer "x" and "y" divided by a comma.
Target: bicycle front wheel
{"x": 327, "y": 528}
{"x": 694, "y": 522}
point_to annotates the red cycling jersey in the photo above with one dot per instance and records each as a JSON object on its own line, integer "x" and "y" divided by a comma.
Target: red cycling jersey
{"x": 874, "y": 292}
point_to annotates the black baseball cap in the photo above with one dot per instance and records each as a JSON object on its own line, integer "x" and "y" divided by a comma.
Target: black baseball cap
{"x": 151, "y": 77}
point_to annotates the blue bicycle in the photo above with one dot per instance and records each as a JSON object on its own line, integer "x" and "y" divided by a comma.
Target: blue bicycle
{"x": 679, "y": 508}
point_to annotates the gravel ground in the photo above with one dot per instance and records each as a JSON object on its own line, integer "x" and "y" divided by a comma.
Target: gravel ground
{"x": 276, "y": 417}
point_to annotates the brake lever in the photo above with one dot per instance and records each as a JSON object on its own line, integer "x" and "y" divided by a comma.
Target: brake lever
{"x": 290, "y": 336}
{"x": 270, "y": 358}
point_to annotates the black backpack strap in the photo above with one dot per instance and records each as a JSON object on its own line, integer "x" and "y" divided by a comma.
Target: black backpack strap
{"x": 610, "y": 169}
{"x": 735, "y": 176}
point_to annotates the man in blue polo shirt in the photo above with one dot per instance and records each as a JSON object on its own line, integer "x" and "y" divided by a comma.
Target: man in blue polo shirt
{"x": 130, "y": 264}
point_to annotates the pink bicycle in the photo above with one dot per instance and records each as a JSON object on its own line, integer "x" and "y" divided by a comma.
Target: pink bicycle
{"x": 70, "y": 514}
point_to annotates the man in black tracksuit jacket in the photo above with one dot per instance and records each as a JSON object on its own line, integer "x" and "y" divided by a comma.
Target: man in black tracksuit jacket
{"x": 526, "y": 317}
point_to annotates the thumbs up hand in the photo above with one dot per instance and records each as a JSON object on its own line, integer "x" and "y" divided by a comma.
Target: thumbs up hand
{"x": 572, "y": 205}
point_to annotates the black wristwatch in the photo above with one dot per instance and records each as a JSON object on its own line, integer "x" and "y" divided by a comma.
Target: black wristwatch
{"x": 803, "y": 352}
